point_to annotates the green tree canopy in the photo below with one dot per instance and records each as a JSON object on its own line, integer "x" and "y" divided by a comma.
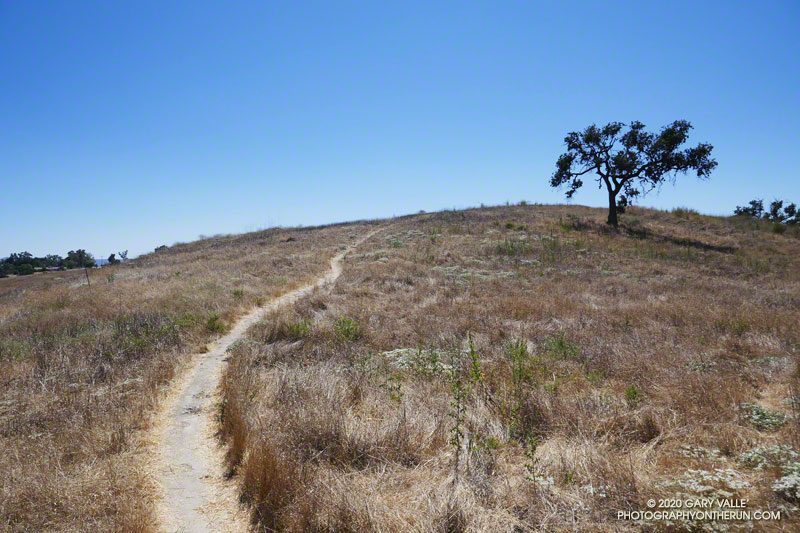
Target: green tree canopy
{"x": 629, "y": 163}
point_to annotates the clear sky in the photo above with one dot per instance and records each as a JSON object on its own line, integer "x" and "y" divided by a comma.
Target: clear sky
{"x": 126, "y": 125}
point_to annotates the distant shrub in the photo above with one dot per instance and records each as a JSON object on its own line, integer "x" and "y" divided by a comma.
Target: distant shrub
{"x": 511, "y": 248}
{"x": 763, "y": 419}
{"x": 572, "y": 222}
{"x": 25, "y": 269}
{"x": 393, "y": 385}
{"x": 213, "y": 324}
{"x": 595, "y": 377}
{"x": 285, "y": 330}
{"x": 765, "y": 457}
{"x": 560, "y": 347}
{"x": 518, "y": 227}
{"x": 13, "y": 350}
{"x": 187, "y": 320}
{"x": 493, "y": 444}
{"x": 778, "y": 228}
{"x": 633, "y": 396}
{"x": 788, "y": 486}
{"x": 684, "y": 212}
{"x": 740, "y": 327}
{"x": 737, "y": 326}
{"x": 347, "y": 328}
{"x": 238, "y": 293}
{"x": 297, "y": 330}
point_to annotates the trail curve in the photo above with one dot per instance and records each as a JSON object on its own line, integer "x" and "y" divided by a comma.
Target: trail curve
{"x": 195, "y": 497}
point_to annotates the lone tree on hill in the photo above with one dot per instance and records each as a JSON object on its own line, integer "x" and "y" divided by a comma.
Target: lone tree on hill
{"x": 632, "y": 163}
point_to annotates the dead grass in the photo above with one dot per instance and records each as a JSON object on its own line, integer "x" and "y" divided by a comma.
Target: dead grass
{"x": 82, "y": 367}
{"x": 605, "y": 369}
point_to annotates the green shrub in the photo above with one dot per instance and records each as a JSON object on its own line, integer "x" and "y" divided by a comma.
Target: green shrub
{"x": 763, "y": 419}
{"x": 238, "y": 293}
{"x": 11, "y": 349}
{"x": 286, "y": 330}
{"x": 511, "y": 248}
{"x": 532, "y": 464}
{"x": 518, "y": 227}
{"x": 297, "y": 330}
{"x": 740, "y": 327}
{"x": 572, "y": 223}
{"x": 347, "y": 328}
{"x": 684, "y": 212}
{"x": 493, "y": 444}
{"x": 519, "y": 356}
{"x": 187, "y": 320}
{"x": 213, "y": 324}
{"x": 560, "y": 347}
{"x": 788, "y": 486}
{"x": 633, "y": 396}
{"x": 24, "y": 269}
{"x": 394, "y": 388}
{"x": 766, "y": 457}
{"x": 595, "y": 377}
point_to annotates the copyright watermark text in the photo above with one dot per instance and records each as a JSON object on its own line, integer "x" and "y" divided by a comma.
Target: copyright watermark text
{"x": 700, "y": 509}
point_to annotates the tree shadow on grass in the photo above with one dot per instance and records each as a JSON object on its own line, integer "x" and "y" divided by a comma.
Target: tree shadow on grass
{"x": 646, "y": 234}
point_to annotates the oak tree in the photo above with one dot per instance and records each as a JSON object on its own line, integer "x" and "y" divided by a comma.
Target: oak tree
{"x": 629, "y": 163}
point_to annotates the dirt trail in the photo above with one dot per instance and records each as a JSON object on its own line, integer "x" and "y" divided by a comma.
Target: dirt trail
{"x": 196, "y": 498}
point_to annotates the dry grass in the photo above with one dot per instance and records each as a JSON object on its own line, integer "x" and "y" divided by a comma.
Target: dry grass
{"x": 82, "y": 367}
{"x": 604, "y": 369}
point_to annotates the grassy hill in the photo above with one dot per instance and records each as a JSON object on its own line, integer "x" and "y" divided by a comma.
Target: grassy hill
{"x": 522, "y": 368}
{"x": 82, "y": 367}
{"x": 509, "y": 368}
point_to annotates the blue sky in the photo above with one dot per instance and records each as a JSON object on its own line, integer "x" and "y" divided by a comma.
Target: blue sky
{"x": 130, "y": 125}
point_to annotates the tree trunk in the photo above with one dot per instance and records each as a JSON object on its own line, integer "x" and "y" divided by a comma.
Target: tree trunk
{"x": 612, "y": 209}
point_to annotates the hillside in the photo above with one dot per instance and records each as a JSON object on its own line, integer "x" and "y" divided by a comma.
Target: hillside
{"x": 522, "y": 369}
{"x": 508, "y": 368}
{"x": 84, "y": 368}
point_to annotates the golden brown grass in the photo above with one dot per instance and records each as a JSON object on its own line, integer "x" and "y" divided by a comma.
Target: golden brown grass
{"x": 82, "y": 367}
{"x": 604, "y": 369}
{"x": 629, "y": 357}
